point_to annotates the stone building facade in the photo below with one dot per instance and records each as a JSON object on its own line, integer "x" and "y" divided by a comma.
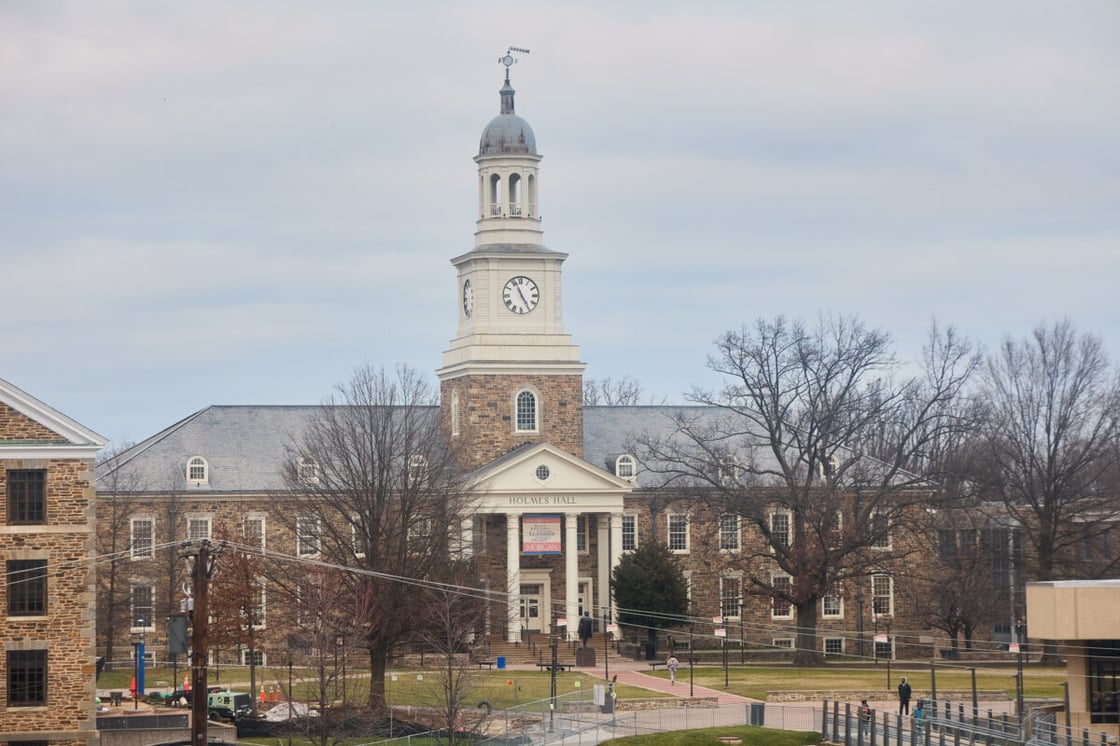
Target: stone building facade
{"x": 560, "y": 496}
{"x": 47, "y": 600}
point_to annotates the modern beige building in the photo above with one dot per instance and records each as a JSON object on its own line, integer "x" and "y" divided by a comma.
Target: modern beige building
{"x": 1085, "y": 616}
{"x": 46, "y": 543}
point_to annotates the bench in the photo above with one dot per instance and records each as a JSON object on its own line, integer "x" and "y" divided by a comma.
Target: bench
{"x": 654, "y": 664}
{"x": 488, "y": 664}
{"x": 549, "y": 666}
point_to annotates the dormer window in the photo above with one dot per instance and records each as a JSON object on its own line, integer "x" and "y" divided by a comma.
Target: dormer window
{"x": 417, "y": 468}
{"x": 526, "y": 412}
{"x": 307, "y": 470}
{"x": 198, "y": 471}
{"x": 625, "y": 467}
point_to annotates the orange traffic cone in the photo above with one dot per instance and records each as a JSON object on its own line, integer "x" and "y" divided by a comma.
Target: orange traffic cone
{"x": 275, "y": 694}
{"x": 132, "y": 687}
{"x": 262, "y": 694}
{"x": 187, "y": 682}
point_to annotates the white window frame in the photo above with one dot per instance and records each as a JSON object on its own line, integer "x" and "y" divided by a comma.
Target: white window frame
{"x": 836, "y": 593}
{"x": 774, "y": 601}
{"x": 149, "y": 610}
{"x": 734, "y": 583}
{"x": 877, "y": 595}
{"x": 626, "y": 467}
{"x": 834, "y": 531}
{"x": 729, "y": 470}
{"x": 198, "y": 471}
{"x": 262, "y": 657}
{"x": 536, "y": 414}
{"x": 133, "y": 552}
{"x": 632, "y": 520}
{"x": 671, "y": 529}
{"x": 786, "y": 643}
{"x": 307, "y": 471}
{"x": 455, "y": 422}
{"x": 827, "y": 640}
{"x": 355, "y": 537}
{"x": 874, "y": 520}
{"x": 417, "y": 468}
{"x": 789, "y": 528}
{"x": 262, "y": 606}
{"x": 582, "y": 541}
{"x": 253, "y": 518}
{"x": 201, "y": 519}
{"x": 303, "y": 538}
{"x": 730, "y": 537}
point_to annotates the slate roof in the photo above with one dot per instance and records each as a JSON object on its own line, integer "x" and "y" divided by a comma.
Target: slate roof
{"x": 245, "y": 445}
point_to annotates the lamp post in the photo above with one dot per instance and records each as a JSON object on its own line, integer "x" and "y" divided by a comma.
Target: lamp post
{"x": 887, "y": 619}
{"x": 859, "y": 619}
{"x": 691, "y": 651}
{"x": 742, "y": 647}
{"x": 1020, "y": 635}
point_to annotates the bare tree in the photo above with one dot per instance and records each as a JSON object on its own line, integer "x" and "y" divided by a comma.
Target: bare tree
{"x": 380, "y": 493}
{"x": 114, "y": 542}
{"x": 453, "y": 615}
{"x": 625, "y": 391}
{"x": 1052, "y": 440}
{"x": 237, "y": 601}
{"x": 783, "y": 447}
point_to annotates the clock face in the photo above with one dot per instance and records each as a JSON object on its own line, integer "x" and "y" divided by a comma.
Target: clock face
{"x": 468, "y": 298}
{"x": 521, "y": 294}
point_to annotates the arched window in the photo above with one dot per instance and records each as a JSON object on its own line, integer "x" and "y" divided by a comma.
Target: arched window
{"x": 198, "y": 471}
{"x": 454, "y": 412}
{"x": 526, "y": 414}
{"x": 515, "y": 194}
{"x": 625, "y": 466}
{"x": 495, "y": 194}
{"x": 532, "y": 196}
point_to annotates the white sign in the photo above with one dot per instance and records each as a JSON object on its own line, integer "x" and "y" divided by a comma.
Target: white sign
{"x": 881, "y": 638}
{"x": 717, "y": 620}
{"x": 1013, "y": 647}
{"x": 612, "y": 628}
{"x": 562, "y": 621}
{"x": 721, "y": 632}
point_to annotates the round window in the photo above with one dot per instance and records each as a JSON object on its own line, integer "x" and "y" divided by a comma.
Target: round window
{"x": 543, "y": 472}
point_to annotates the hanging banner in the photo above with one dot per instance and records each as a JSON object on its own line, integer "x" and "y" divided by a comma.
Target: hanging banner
{"x": 540, "y": 534}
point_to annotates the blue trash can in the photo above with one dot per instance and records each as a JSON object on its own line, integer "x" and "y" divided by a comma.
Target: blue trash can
{"x": 501, "y": 661}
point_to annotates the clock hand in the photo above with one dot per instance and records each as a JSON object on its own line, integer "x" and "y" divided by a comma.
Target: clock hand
{"x": 523, "y": 298}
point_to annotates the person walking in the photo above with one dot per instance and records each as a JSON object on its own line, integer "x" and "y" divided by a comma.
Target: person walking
{"x": 904, "y": 697}
{"x": 919, "y": 718}
{"x": 672, "y": 665}
{"x": 864, "y": 713}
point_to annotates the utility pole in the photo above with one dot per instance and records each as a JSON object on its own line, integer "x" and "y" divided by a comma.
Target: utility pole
{"x": 200, "y": 630}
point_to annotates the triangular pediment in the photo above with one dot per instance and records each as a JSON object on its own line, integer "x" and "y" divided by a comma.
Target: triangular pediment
{"x": 31, "y": 429}
{"x": 514, "y": 482}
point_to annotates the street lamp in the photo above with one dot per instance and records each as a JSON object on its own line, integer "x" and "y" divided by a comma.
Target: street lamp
{"x": 887, "y": 618}
{"x": 691, "y": 651}
{"x": 1020, "y": 637}
{"x": 859, "y": 619}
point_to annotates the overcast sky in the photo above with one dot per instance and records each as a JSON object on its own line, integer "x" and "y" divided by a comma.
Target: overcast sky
{"x": 239, "y": 203}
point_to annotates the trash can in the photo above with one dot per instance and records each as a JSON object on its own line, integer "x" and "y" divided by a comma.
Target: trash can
{"x": 501, "y": 661}
{"x": 115, "y": 698}
{"x": 758, "y": 713}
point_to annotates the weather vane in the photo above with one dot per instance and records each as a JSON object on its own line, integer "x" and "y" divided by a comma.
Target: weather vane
{"x": 509, "y": 59}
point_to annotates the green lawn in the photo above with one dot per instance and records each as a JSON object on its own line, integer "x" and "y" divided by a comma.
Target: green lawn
{"x": 751, "y": 736}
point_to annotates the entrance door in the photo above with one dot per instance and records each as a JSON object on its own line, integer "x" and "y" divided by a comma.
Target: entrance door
{"x": 531, "y": 608}
{"x": 585, "y": 599}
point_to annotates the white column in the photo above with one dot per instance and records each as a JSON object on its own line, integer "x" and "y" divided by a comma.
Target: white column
{"x": 603, "y": 523}
{"x": 571, "y": 577}
{"x": 513, "y": 577}
{"x": 466, "y": 538}
{"x": 616, "y": 550}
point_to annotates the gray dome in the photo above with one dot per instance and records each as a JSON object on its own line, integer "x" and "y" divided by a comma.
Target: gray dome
{"x": 507, "y": 133}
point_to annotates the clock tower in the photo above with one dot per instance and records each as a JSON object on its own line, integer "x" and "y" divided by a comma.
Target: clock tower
{"x": 511, "y": 375}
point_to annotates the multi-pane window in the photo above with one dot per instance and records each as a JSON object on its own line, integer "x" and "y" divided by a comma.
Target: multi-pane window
{"x": 678, "y": 532}
{"x": 947, "y": 544}
{"x": 581, "y": 533}
{"x": 780, "y": 529}
{"x": 307, "y": 470}
{"x": 143, "y": 608}
{"x": 27, "y": 496}
{"x": 880, "y": 530}
{"x": 255, "y": 613}
{"x": 832, "y": 603}
{"x": 625, "y": 466}
{"x": 142, "y": 544}
{"x": 254, "y": 531}
{"x": 730, "y": 596}
{"x": 834, "y": 646}
{"x": 455, "y": 413}
{"x": 728, "y": 471}
{"x": 783, "y": 642}
{"x": 27, "y": 678}
{"x": 417, "y": 468}
{"x": 197, "y": 470}
{"x": 307, "y": 536}
{"x": 27, "y": 587}
{"x": 780, "y": 607}
{"x": 834, "y": 529}
{"x": 356, "y": 536}
{"x": 419, "y": 529}
{"x": 252, "y": 657}
{"x": 729, "y": 532}
{"x": 198, "y": 528}
{"x": 882, "y": 596}
{"x": 526, "y": 414}
{"x": 629, "y": 533}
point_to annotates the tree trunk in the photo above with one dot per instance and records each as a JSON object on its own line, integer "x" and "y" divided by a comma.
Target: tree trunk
{"x": 377, "y": 658}
{"x": 808, "y": 652}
